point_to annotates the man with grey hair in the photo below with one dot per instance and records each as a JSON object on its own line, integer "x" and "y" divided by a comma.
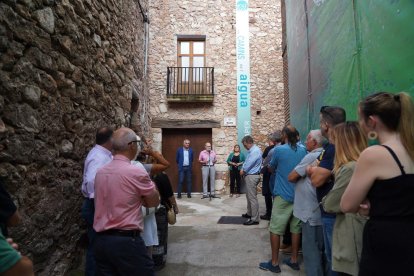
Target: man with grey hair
{"x": 274, "y": 139}
{"x": 306, "y": 207}
{"x": 251, "y": 176}
{"x": 121, "y": 189}
{"x": 184, "y": 159}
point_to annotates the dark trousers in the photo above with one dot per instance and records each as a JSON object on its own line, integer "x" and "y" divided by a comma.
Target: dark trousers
{"x": 184, "y": 173}
{"x": 266, "y": 192}
{"x": 269, "y": 205}
{"x": 235, "y": 181}
{"x": 287, "y": 237}
{"x": 88, "y": 212}
{"x": 118, "y": 255}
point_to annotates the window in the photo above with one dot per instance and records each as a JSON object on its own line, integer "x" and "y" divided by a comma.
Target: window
{"x": 190, "y": 79}
{"x": 191, "y": 57}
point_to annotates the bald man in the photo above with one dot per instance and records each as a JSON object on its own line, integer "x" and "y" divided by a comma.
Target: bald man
{"x": 120, "y": 190}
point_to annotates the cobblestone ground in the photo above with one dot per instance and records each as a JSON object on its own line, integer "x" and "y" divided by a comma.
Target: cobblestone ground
{"x": 197, "y": 245}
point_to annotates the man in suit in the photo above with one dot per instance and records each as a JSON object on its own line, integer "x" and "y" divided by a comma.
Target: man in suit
{"x": 184, "y": 159}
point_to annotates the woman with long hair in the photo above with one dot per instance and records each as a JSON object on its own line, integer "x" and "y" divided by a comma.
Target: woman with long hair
{"x": 383, "y": 185}
{"x": 235, "y": 161}
{"x": 349, "y": 142}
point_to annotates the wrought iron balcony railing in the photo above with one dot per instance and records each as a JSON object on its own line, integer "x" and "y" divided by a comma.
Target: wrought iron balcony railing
{"x": 190, "y": 84}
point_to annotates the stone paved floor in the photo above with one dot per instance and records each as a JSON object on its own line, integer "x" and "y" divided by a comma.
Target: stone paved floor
{"x": 197, "y": 245}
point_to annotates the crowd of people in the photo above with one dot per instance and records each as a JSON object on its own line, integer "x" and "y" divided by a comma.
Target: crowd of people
{"x": 346, "y": 191}
{"x": 342, "y": 195}
{"x": 120, "y": 217}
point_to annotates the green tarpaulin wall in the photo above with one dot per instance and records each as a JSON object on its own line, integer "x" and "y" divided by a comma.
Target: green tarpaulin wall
{"x": 340, "y": 51}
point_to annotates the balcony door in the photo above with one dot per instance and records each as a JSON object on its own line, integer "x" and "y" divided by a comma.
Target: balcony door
{"x": 192, "y": 74}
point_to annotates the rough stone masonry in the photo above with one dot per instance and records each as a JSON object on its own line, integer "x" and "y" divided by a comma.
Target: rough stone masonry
{"x": 66, "y": 68}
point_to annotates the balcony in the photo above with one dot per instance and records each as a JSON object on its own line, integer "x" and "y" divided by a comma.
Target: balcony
{"x": 190, "y": 84}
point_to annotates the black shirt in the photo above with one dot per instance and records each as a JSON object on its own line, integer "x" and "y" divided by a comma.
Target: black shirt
{"x": 164, "y": 188}
{"x": 235, "y": 159}
{"x": 326, "y": 161}
{"x": 7, "y": 208}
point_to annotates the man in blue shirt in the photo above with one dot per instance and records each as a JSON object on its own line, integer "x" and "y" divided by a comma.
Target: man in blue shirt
{"x": 284, "y": 160}
{"x": 184, "y": 159}
{"x": 251, "y": 176}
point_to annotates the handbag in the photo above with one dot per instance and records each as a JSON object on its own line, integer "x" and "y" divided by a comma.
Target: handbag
{"x": 171, "y": 217}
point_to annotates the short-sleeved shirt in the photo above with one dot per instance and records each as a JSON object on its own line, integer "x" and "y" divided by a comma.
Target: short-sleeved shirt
{"x": 326, "y": 161}
{"x": 306, "y": 207}
{"x": 7, "y": 208}
{"x": 162, "y": 182}
{"x": 8, "y": 255}
{"x": 119, "y": 187}
{"x": 284, "y": 160}
{"x": 209, "y": 156}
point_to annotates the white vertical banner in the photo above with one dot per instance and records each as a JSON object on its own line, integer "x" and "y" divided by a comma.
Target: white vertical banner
{"x": 243, "y": 69}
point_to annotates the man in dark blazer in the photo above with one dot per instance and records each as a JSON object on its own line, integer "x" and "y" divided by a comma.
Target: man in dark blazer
{"x": 184, "y": 159}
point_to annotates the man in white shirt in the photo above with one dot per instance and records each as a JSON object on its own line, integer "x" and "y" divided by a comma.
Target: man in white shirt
{"x": 99, "y": 156}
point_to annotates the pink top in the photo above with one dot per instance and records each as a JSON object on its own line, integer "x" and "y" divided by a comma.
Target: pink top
{"x": 119, "y": 187}
{"x": 205, "y": 156}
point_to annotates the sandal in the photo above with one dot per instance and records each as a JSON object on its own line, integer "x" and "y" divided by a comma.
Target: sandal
{"x": 237, "y": 195}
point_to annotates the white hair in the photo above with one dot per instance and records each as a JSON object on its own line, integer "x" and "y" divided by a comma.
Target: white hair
{"x": 316, "y": 135}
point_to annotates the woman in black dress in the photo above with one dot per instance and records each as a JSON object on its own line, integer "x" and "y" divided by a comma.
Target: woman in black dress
{"x": 235, "y": 161}
{"x": 382, "y": 185}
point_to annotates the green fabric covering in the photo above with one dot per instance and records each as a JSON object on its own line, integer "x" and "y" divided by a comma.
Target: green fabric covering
{"x": 354, "y": 48}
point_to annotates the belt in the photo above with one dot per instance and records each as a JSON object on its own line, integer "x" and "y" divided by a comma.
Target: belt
{"x": 208, "y": 165}
{"x": 253, "y": 173}
{"x": 117, "y": 232}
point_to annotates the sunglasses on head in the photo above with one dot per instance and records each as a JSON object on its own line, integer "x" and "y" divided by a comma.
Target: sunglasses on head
{"x": 326, "y": 110}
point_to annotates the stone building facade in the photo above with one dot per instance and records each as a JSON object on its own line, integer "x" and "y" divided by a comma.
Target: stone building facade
{"x": 215, "y": 22}
{"x": 66, "y": 68}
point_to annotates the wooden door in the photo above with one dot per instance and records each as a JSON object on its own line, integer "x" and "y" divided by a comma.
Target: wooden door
{"x": 172, "y": 139}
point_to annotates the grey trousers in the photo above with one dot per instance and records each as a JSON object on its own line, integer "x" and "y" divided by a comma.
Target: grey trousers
{"x": 251, "y": 182}
{"x": 208, "y": 171}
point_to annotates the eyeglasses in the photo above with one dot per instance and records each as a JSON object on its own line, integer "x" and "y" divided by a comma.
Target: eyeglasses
{"x": 139, "y": 143}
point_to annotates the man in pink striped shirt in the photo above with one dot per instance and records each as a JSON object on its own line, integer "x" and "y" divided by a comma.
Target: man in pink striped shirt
{"x": 207, "y": 158}
{"x": 120, "y": 191}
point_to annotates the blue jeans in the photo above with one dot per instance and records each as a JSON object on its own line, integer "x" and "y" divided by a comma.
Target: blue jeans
{"x": 185, "y": 172}
{"x": 312, "y": 246}
{"x": 328, "y": 225}
{"x": 117, "y": 255}
{"x": 87, "y": 212}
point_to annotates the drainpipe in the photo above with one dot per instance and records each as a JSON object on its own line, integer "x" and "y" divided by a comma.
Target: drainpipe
{"x": 146, "y": 39}
{"x": 145, "y": 19}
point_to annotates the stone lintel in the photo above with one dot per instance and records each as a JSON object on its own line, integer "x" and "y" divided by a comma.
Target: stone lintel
{"x": 174, "y": 123}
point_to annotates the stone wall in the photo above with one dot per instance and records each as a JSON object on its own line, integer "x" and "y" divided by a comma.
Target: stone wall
{"x": 217, "y": 20}
{"x": 66, "y": 68}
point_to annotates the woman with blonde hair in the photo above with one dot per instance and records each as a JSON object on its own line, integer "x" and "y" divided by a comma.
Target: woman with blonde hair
{"x": 383, "y": 185}
{"x": 349, "y": 142}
